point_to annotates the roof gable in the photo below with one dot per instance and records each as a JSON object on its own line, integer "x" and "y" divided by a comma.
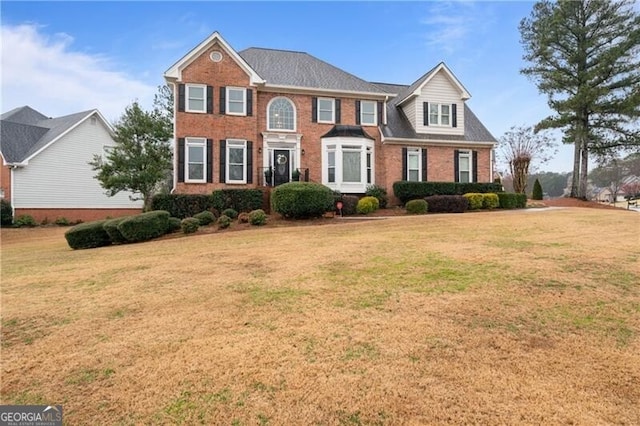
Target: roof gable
{"x": 24, "y": 115}
{"x": 175, "y": 71}
{"x": 416, "y": 88}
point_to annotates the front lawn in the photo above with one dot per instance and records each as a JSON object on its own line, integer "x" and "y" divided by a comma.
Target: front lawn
{"x": 503, "y": 317}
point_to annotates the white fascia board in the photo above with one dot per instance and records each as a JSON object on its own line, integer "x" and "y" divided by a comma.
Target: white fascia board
{"x": 464, "y": 94}
{"x": 313, "y": 91}
{"x": 406, "y": 141}
{"x": 66, "y": 132}
{"x": 174, "y": 73}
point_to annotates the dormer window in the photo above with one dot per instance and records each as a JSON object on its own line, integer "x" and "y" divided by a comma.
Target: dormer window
{"x": 439, "y": 114}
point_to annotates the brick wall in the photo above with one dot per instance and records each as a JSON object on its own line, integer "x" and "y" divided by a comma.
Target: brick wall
{"x": 5, "y": 181}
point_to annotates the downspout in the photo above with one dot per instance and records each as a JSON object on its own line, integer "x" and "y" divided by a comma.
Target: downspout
{"x": 175, "y": 147}
{"x": 13, "y": 206}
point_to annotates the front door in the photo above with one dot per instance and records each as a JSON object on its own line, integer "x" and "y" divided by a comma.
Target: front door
{"x": 281, "y": 162}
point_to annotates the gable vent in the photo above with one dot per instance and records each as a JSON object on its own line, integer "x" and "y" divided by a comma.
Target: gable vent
{"x": 215, "y": 56}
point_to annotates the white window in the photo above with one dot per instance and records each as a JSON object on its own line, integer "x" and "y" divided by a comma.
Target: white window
{"x": 326, "y": 110}
{"x": 236, "y": 161}
{"x": 281, "y": 115}
{"x": 414, "y": 166}
{"x": 464, "y": 166}
{"x": 368, "y": 113}
{"x": 348, "y": 164}
{"x": 196, "y": 95}
{"x": 195, "y": 155}
{"x": 439, "y": 114}
{"x": 236, "y": 101}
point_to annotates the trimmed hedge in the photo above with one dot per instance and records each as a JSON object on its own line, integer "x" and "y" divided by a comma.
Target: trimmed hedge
{"x": 490, "y": 201}
{"x": 189, "y": 225}
{"x": 512, "y": 200}
{"x": 406, "y": 190}
{"x": 475, "y": 200}
{"x": 111, "y": 227}
{"x": 367, "y": 205}
{"x": 232, "y": 213}
{"x": 447, "y": 203}
{"x": 174, "y": 224}
{"x": 301, "y": 200}
{"x": 417, "y": 207}
{"x": 87, "y": 235}
{"x": 380, "y": 193}
{"x": 145, "y": 226}
{"x": 223, "y": 222}
{"x": 6, "y": 213}
{"x": 257, "y": 217}
{"x": 182, "y": 205}
{"x": 205, "y": 217}
{"x": 240, "y": 200}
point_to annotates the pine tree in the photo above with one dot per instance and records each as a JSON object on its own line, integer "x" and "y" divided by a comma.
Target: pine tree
{"x": 583, "y": 55}
{"x": 537, "y": 191}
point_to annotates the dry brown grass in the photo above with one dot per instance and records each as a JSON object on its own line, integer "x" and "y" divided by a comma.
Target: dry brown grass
{"x": 526, "y": 317}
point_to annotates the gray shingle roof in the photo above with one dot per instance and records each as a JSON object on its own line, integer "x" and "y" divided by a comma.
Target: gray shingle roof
{"x": 299, "y": 69}
{"x": 24, "y": 131}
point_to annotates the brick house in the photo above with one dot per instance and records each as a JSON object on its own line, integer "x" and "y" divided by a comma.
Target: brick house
{"x": 262, "y": 117}
{"x": 45, "y": 166}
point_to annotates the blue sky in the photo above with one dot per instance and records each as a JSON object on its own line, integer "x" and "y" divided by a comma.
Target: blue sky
{"x": 65, "y": 57}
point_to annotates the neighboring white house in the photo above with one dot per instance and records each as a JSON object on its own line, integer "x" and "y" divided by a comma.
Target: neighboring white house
{"x": 46, "y": 171}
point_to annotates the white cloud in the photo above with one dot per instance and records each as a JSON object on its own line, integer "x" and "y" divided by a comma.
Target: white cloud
{"x": 46, "y": 73}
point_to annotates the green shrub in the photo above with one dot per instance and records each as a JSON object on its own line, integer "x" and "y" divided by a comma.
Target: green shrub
{"x": 406, "y": 190}
{"x": 240, "y": 200}
{"x": 367, "y": 205}
{"x": 182, "y": 205}
{"x": 145, "y": 226}
{"x": 257, "y": 217}
{"x": 25, "y": 220}
{"x": 87, "y": 235}
{"x": 512, "y": 200}
{"x": 6, "y": 213}
{"x": 349, "y": 204}
{"x": 380, "y": 193}
{"x": 447, "y": 203}
{"x": 537, "y": 191}
{"x": 416, "y": 206}
{"x": 243, "y": 217}
{"x": 475, "y": 200}
{"x": 224, "y": 221}
{"x": 174, "y": 224}
{"x": 300, "y": 200}
{"x": 189, "y": 225}
{"x": 231, "y": 213}
{"x": 111, "y": 227}
{"x": 205, "y": 218}
{"x": 490, "y": 201}
{"x": 62, "y": 221}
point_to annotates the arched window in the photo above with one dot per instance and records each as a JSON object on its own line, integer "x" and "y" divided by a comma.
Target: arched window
{"x": 281, "y": 115}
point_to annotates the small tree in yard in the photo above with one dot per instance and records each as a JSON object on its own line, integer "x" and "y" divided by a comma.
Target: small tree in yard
{"x": 142, "y": 154}
{"x": 520, "y": 147}
{"x": 537, "y": 191}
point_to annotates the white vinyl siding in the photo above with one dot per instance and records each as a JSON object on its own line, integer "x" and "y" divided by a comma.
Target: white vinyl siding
{"x": 60, "y": 176}
{"x": 410, "y": 111}
{"x": 439, "y": 90}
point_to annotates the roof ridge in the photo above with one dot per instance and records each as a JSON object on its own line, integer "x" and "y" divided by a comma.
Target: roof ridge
{"x": 275, "y": 50}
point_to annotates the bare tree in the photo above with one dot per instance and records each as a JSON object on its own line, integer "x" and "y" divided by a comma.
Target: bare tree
{"x": 520, "y": 147}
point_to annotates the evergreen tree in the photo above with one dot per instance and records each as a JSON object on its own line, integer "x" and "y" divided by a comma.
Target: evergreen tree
{"x": 537, "y": 191}
{"x": 141, "y": 157}
{"x": 583, "y": 55}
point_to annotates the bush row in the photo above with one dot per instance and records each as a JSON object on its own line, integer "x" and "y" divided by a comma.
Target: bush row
{"x": 512, "y": 200}
{"x": 406, "y": 190}
{"x": 479, "y": 201}
{"x": 188, "y": 205}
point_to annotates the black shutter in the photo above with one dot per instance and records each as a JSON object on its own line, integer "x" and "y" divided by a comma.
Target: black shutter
{"x": 474, "y": 156}
{"x": 181, "y": 91}
{"x": 380, "y": 112}
{"x": 424, "y": 164}
{"x": 314, "y": 110}
{"x": 357, "y": 112}
{"x": 210, "y": 160}
{"x": 338, "y": 112}
{"x": 404, "y": 165}
{"x": 456, "y": 165}
{"x": 425, "y": 113}
{"x": 454, "y": 115}
{"x": 249, "y": 102}
{"x": 249, "y": 162}
{"x": 223, "y": 157}
{"x": 180, "y": 159}
{"x": 209, "y": 99}
{"x": 223, "y": 99}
